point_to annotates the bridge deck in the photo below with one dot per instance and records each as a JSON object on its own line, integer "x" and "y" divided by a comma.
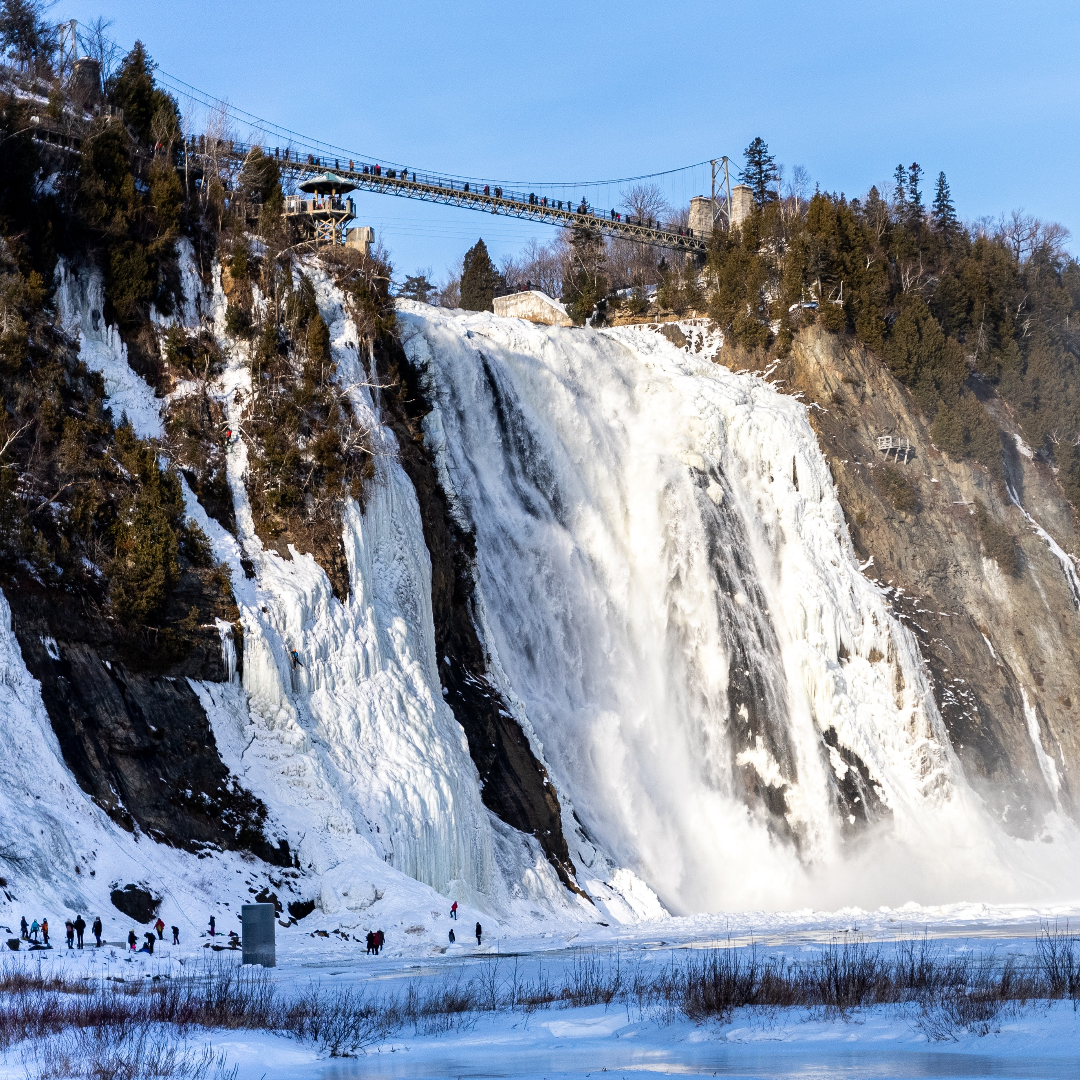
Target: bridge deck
{"x": 510, "y": 204}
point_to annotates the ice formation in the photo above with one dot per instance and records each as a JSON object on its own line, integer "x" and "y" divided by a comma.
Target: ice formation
{"x": 662, "y": 559}
{"x": 662, "y": 564}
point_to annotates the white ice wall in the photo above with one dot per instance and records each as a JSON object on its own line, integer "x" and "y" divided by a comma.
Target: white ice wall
{"x": 607, "y": 476}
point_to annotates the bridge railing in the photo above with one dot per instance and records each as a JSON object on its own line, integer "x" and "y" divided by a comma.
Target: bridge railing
{"x": 475, "y": 194}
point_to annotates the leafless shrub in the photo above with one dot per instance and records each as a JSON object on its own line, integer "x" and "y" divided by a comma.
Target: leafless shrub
{"x": 146, "y": 1024}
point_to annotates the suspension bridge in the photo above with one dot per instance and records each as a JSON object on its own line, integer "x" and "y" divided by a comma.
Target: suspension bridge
{"x": 486, "y": 196}
{"x": 300, "y": 158}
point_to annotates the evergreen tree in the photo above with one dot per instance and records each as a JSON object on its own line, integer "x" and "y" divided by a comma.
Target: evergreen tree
{"x": 760, "y": 173}
{"x": 417, "y": 287}
{"x": 132, "y": 89}
{"x": 479, "y": 279}
{"x": 900, "y": 191}
{"x": 944, "y": 212}
{"x": 585, "y": 285}
{"x": 24, "y": 34}
{"x": 915, "y": 204}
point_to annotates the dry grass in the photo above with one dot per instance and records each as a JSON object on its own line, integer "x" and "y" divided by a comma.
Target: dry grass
{"x": 114, "y": 1030}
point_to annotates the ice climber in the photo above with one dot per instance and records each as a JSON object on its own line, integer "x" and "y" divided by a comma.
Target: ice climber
{"x": 80, "y": 929}
{"x": 295, "y": 660}
{"x": 97, "y": 930}
{"x": 159, "y": 926}
{"x": 453, "y": 910}
{"x": 479, "y": 933}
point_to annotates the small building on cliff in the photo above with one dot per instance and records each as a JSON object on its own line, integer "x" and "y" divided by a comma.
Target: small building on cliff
{"x": 533, "y": 305}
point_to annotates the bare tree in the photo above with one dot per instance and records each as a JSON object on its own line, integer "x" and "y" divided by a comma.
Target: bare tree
{"x": 95, "y": 42}
{"x": 797, "y": 188}
{"x": 449, "y": 295}
{"x": 646, "y": 202}
{"x": 1018, "y": 232}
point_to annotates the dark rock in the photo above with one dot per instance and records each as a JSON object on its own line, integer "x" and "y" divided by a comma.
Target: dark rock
{"x": 267, "y": 897}
{"x": 674, "y": 335}
{"x": 142, "y": 747}
{"x": 515, "y": 786}
{"x": 135, "y": 902}
{"x": 301, "y": 909}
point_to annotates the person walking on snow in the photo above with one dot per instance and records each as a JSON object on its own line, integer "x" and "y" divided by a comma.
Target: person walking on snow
{"x": 24, "y": 929}
{"x": 159, "y": 926}
{"x": 97, "y": 930}
{"x": 213, "y": 925}
{"x": 34, "y": 928}
{"x": 380, "y": 940}
{"x": 370, "y": 942}
{"x": 45, "y": 930}
{"x": 132, "y": 939}
{"x": 453, "y": 910}
{"x": 176, "y": 935}
{"x": 452, "y": 938}
{"x": 69, "y": 933}
{"x": 479, "y": 932}
{"x": 80, "y": 929}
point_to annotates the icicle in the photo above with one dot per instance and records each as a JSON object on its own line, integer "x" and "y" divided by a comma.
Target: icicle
{"x": 228, "y": 648}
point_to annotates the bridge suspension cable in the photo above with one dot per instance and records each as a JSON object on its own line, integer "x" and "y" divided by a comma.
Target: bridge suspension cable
{"x": 596, "y": 204}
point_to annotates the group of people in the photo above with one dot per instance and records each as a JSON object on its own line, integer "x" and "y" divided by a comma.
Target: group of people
{"x": 453, "y": 915}
{"x": 37, "y": 933}
{"x": 74, "y": 929}
{"x": 375, "y": 941}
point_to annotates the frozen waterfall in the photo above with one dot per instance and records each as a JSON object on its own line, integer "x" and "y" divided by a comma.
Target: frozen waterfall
{"x": 673, "y": 605}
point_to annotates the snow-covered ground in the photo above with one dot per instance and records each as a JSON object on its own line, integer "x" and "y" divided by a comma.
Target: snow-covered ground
{"x": 1036, "y": 1040}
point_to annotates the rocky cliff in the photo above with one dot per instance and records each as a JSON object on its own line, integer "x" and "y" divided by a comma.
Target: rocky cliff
{"x": 981, "y": 568}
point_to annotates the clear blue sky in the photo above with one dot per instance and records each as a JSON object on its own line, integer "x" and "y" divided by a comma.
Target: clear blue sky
{"x": 988, "y": 91}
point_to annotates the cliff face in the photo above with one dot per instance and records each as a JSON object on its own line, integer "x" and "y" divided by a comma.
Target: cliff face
{"x": 1001, "y": 641}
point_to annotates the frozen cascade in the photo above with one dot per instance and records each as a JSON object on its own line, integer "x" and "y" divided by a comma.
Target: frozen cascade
{"x": 671, "y": 599}
{"x": 228, "y": 648}
{"x": 354, "y": 749}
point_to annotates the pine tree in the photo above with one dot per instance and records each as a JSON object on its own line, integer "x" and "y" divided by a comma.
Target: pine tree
{"x": 479, "y": 279}
{"x": 585, "y": 284}
{"x": 132, "y": 89}
{"x": 915, "y": 205}
{"x": 944, "y": 213}
{"x": 900, "y": 191}
{"x": 24, "y": 33}
{"x": 760, "y": 173}
{"x": 417, "y": 287}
